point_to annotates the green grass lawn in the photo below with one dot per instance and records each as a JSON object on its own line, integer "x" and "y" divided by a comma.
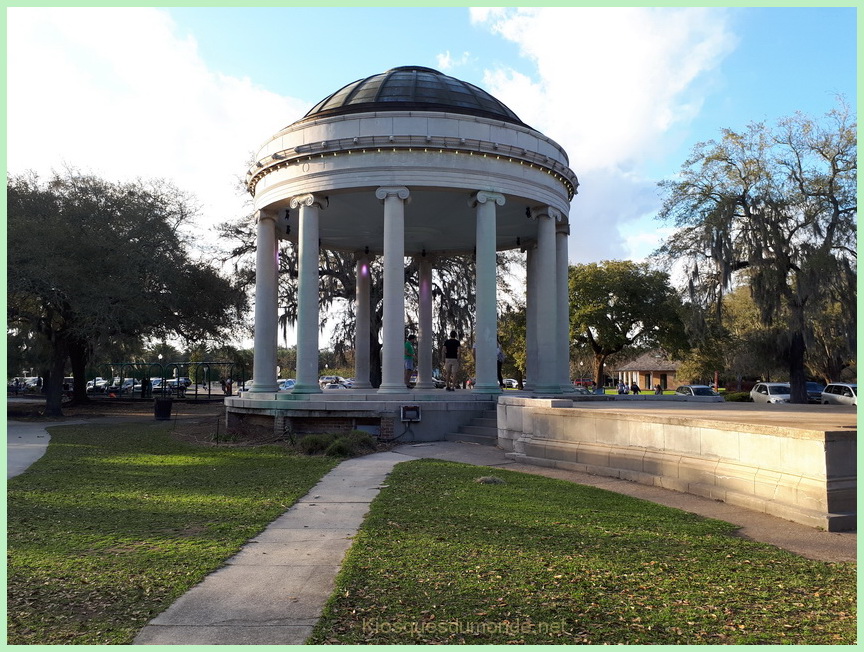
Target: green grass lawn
{"x": 444, "y": 559}
{"x": 115, "y": 522}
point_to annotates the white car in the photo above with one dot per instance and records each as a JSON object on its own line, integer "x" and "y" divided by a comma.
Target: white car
{"x": 286, "y": 384}
{"x": 841, "y": 394}
{"x": 771, "y": 393}
{"x": 696, "y": 390}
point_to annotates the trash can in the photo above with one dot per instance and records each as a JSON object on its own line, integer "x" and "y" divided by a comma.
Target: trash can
{"x": 162, "y": 408}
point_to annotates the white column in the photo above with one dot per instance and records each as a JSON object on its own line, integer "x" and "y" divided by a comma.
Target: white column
{"x": 486, "y": 330}
{"x": 547, "y": 302}
{"x": 266, "y": 305}
{"x": 307, "y": 293}
{"x": 563, "y": 306}
{"x": 531, "y": 317}
{"x": 392, "y": 355}
{"x": 424, "y": 344}
{"x": 362, "y": 326}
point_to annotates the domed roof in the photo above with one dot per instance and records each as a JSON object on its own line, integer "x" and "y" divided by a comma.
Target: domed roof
{"x": 412, "y": 88}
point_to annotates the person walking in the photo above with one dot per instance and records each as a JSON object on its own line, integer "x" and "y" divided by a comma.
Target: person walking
{"x": 451, "y": 361}
{"x": 500, "y": 363}
{"x": 634, "y": 388}
{"x": 409, "y": 359}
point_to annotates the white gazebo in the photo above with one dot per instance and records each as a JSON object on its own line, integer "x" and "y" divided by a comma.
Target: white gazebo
{"x": 410, "y": 162}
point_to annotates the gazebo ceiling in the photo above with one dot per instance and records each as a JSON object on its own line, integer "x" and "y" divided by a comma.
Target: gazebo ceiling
{"x": 412, "y": 88}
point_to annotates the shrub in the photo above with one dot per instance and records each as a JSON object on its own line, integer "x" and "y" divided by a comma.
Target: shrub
{"x": 361, "y": 441}
{"x": 739, "y": 397}
{"x": 315, "y": 444}
{"x": 340, "y": 448}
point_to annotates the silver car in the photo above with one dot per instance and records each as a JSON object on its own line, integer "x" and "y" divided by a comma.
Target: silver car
{"x": 696, "y": 390}
{"x": 771, "y": 393}
{"x": 840, "y": 394}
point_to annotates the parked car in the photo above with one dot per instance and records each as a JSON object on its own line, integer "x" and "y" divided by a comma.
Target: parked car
{"x": 696, "y": 390}
{"x": 334, "y": 386}
{"x": 124, "y": 386}
{"x": 511, "y": 383}
{"x": 814, "y": 392}
{"x": 99, "y": 383}
{"x": 326, "y": 380}
{"x": 840, "y": 394}
{"x": 771, "y": 393}
{"x": 286, "y": 384}
{"x": 182, "y": 381}
{"x": 160, "y": 388}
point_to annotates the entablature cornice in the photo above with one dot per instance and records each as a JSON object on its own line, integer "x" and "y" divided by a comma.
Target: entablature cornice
{"x": 416, "y": 145}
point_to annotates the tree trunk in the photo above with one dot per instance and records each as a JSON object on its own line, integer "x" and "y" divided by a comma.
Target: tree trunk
{"x": 53, "y": 384}
{"x": 78, "y": 360}
{"x": 797, "y": 374}
{"x": 599, "y": 369}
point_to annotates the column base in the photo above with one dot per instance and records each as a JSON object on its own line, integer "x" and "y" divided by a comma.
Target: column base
{"x": 307, "y": 389}
{"x": 252, "y": 388}
{"x": 487, "y": 389}
{"x": 547, "y": 389}
{"x": 393, "y": 389}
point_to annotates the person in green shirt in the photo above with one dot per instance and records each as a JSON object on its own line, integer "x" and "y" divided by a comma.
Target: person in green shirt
{"x": 409, "y": 359}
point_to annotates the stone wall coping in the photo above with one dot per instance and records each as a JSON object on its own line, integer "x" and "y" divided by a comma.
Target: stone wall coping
{"x": 824, "y": 424}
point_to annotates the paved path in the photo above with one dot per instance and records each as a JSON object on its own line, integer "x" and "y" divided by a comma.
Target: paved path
{"x": 273, "y": 591}
{"x": 26, "y": 442}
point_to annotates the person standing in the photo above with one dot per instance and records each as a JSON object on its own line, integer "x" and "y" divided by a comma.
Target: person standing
{"x": 451, "y": 361}
{"x": 409, "y": 359}
{"x": 500, "y": 363}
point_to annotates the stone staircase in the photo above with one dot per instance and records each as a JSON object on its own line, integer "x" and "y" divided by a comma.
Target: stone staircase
{"x": 480, "y": 430}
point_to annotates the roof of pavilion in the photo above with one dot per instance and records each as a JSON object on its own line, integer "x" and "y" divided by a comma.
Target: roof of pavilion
{"x": 413, "y": 88}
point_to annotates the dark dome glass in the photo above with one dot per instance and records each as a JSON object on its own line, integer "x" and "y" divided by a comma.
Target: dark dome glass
{"x": 412, "y": 88}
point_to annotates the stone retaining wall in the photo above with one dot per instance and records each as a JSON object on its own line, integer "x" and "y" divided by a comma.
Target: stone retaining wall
{"x": 803, "y": 475}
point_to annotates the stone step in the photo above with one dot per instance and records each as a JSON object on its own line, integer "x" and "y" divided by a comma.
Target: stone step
{"x": 480, "y": 430}
{"x": 474, "y": 439}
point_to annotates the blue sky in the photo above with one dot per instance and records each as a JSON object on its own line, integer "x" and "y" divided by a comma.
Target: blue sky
{"x": 189, "y": 93}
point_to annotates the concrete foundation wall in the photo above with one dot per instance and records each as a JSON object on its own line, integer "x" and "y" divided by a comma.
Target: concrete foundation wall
{"x": 381, "y": 418}
{"x": 803, "y": 475}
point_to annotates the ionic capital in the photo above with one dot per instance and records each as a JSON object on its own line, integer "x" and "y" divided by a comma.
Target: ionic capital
{"x": 392, "y": 191}
{"x": 483, "y": 196}
{"x": 310, "y": 200}
{"x": 536, "y": 212}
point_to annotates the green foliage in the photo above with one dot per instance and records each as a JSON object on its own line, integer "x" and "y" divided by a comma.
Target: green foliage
{"x": 351, "y": 444}
{"x": 93, "y": 263}
{"x": 779, "y": 206}
{"x": 114, "y": 523}
{"x": 737, "y": 397}
{"x": 316, "y": 443}
{"x": 443, "y": 559}
{"x": 621, "y": 307}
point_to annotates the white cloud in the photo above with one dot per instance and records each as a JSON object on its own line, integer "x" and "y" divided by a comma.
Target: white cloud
{"x": 119, "y": 93}
{"x": 447, "y": 62}
{"x": 610, "y": 85}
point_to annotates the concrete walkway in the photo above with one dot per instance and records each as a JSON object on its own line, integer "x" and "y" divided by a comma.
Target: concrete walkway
{"x": 272, "y": 592}
{"x": 26, "y": 442}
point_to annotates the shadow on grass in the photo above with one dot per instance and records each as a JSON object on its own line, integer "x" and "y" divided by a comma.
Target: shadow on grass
{"x": 116, "y": 521}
